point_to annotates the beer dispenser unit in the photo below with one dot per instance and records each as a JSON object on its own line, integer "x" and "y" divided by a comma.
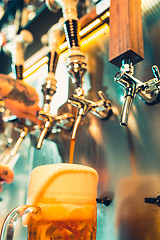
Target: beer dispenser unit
{"x": 77, "y": 66}
{"x": 125, "y": 50}
{"x": 65, "y": 121}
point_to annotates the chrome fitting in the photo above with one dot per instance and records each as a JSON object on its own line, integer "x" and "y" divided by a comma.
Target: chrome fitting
{"x": 76, "y": 66}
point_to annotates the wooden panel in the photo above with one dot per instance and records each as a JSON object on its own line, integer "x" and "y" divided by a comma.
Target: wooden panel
{"x": 126, "y": 34}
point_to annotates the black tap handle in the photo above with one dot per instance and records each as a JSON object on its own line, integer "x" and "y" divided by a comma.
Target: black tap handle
{"x": 52, "y": 61}
{"x": 71, "y": 29}
{"x": 18, "y": 70}
{"x": 153, "y": 200}
{"x": 105, "y": 201}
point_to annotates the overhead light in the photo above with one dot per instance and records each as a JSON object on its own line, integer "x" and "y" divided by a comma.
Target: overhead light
{"x": 35, "y": 67}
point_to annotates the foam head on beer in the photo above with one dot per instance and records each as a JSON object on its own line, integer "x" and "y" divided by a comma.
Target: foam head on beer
{"x": 63, "y": 191}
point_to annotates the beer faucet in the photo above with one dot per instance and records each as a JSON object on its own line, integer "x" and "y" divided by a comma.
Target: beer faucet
{"x": 148, "y": 91}
{"x": 77, "y": 66}
{"x": 11, "y": 157}
{"x": 64, "y": 121}
{"x": 101, "y": 109}
{"x": 76, "y": 62}
{"x": 54, "y": 37}
{"x": 17, "y": 48}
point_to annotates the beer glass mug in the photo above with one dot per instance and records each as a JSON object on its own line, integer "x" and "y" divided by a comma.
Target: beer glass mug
{"x": 61, "y": 204}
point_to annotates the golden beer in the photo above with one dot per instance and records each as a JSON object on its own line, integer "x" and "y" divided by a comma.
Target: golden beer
{"x": 72, "y": 229}
{"x": 61, "y": 203}
{"x": 67, "y": 197}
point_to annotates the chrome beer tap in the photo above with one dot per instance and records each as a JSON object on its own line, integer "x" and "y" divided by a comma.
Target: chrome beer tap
{"x": 11, "y": 157}
{"x": 64, "y": 121}
{"x": 17, "y": 48}
{"x": 76, "y": 62}
{"x": 101, "y": 109}
{"x": 49, "y": 87}
{"x": 148, "y": 91}
{"x": 54, "y": 37}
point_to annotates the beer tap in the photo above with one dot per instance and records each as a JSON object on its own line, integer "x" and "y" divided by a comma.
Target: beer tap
{"x": 101, "y": 109}
{"x": 77, "y": 66}
{"x": 54, "y": 37}
{"x": 11, "y": 157}
{"x": 64, "y": 121}
{"x": 148, "y": 91}
{"x": 17, "y": 48}
{"x": 11, "y": 154}
{"x": 76, "y": 62}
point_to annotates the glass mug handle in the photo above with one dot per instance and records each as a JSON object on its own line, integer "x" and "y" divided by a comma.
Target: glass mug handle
{"x": 9, "y": 223}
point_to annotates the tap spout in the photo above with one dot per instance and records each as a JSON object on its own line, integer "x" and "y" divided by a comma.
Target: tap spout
{"x": 77, "y": 123}
{"x": 125, "y": 111}
{"x": 11, "y": 158}
{"x": 130, "y": 84}
{"x": 43, "y": 134}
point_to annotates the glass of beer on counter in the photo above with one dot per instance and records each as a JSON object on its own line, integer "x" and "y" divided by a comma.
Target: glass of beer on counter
{"x": 61, "y": 204}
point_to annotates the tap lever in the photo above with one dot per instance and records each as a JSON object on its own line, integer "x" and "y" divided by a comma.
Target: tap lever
{"x": 155, "y": 71}
{"x": 101, "y": 108}
{"x": 126, "y": 79}
{"x": 64, "y": 121}
{"x": 102, "y": 96}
